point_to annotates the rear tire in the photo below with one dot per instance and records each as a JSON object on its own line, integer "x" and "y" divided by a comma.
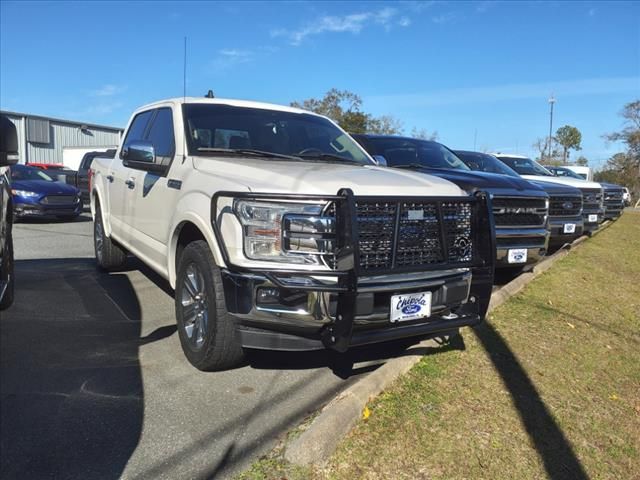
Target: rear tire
{"x": 208, "y": 333}
{"x": 109, "y": 255}
{"x": 7, "y": 273}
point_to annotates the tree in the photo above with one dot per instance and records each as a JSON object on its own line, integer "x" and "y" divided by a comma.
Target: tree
{"x": 630, "y": 134}
{"x": 569, "y": 137}
{"x": 423, "y": 134}
{"x": 345, "y": 108}
{"x": 384, "y": 125}
{"x": 542, "y": 147}
{"x": 582, "y": 160}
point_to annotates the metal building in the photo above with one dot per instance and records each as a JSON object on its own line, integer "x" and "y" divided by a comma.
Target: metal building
{"x": 52, "y": 140}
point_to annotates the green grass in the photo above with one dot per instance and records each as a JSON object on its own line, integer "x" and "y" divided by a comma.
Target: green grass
{"x": 548, "y": 387}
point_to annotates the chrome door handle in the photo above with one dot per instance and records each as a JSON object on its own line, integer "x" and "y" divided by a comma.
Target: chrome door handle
{"x": 130, "y": 183}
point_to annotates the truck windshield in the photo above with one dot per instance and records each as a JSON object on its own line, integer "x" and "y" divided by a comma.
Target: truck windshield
{"x": 565, "y": 172}
{"x": 228, "y": 130}
{"x": 483, "y": 162}
{"x": 526, "y": 166}
{"x": 399, "y": 151}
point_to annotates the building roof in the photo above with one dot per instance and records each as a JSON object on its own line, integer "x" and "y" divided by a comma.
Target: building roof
{"x": 60, "y": 120}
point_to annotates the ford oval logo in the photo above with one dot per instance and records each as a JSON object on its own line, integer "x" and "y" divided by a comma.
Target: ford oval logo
{"x": 567, "y": 205}
{"x": 411, "y": 309}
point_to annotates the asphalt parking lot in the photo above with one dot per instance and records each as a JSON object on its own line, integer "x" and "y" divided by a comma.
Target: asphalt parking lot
{"x": 94, "y": 383}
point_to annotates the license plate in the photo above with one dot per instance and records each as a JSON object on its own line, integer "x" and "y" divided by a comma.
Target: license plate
{"x": 517, "y": 255}
{"x": 593, "y": 218}
{"x": 569, "y": 228}
{"x": 410, "y": 306}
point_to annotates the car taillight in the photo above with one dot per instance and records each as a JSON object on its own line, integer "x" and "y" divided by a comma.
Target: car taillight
{"x": 90, "y": 177}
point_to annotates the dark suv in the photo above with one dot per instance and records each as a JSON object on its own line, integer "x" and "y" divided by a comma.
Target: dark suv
{"x": 8, "y": 157}
{"x": 519, "y": 208}
{"x": 565, "y": 202}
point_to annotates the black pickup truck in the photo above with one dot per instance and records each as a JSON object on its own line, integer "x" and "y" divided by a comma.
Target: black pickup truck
{"x": 565, "y": 202}
{"x": 8, "y": 157}
{"x": 520, "y": 209}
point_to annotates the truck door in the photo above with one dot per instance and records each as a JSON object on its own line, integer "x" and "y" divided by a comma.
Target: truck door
{"x": 155, "y": 196}
{"x": 124, "y": 182}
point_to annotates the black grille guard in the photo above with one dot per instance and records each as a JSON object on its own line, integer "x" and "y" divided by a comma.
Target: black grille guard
{"x": 337, "y": 334}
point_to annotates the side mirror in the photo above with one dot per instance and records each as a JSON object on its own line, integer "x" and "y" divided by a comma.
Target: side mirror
{"x": 380, "y": 160}
{"x": 8, "y": 142}
{"x": 140, "y": 151}
{"x": 142, "y": 156}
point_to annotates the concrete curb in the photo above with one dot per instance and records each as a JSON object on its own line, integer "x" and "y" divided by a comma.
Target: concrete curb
{"x": 317, "y": 443}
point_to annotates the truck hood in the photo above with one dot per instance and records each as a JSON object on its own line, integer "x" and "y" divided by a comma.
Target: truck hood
{"x": 473, "y": 180}
{"x": 323, "y": 178}
{"x": 572, "y": 182}
{"x": 556, "y": 188}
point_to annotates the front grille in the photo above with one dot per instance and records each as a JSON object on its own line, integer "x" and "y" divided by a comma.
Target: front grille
{"x": 564, "y": 206}
{"x": 591, "y": 198}
{"x": 519, "y": 212}
{"x": 58, "y": 200}
{"x": 402, "y": 235}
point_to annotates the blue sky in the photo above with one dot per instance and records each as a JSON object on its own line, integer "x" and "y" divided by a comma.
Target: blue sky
{"x": 475, "y": 72}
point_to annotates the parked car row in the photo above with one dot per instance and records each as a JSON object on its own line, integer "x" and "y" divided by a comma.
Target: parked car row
{"x": 278, "y": 230}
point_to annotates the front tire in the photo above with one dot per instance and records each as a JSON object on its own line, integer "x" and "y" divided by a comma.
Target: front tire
{"x": 109, "y": 255}
{"x": 207, "y": 332}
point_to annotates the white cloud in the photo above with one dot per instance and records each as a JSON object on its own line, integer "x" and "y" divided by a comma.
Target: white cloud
{"x": 236, "y": 54}
{"x": 353, "y": 23}
{"x": 109, "y": 90}
{"x": 498, "y": 93}
{"x": 443, "y": 18}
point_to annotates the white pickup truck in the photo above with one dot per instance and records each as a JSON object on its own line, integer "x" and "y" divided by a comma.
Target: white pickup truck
{"x": 278, "y": 231}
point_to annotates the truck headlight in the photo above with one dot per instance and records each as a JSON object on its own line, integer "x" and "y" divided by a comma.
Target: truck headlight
{"x": 285, "y": 232}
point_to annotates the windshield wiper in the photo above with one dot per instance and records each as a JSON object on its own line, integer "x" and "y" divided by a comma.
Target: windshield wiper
{"x": 247, "y": 151}
{"x": 327, "y": 157}
{"x": 410, "y": 165}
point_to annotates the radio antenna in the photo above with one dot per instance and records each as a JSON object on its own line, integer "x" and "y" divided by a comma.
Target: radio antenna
{"x": 184, "y": 100}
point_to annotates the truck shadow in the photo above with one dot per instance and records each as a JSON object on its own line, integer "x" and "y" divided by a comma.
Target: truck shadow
{"x": 355, "y": 361}
{"x": 72, "y": 396}
{"x": 560, "y": 461}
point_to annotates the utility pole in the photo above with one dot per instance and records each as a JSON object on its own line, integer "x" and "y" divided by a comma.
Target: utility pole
{"x": 552, "y": 100}
{"x": 475, "y": 137}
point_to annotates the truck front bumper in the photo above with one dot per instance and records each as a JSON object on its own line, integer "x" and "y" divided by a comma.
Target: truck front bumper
{"x": 269, "y": 317}
{"x": 588, "y": 217}
{"x": 557, "y": 228}
{"x": 534, "y": 240}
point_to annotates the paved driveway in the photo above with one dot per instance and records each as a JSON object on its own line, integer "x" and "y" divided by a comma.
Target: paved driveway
{"x": 94, "y": 384}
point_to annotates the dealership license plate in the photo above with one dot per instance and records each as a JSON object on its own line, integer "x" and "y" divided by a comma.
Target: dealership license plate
{"x": 569, "y": 228}
{"x": 410, "y": 306}
{"x": 517, "y": 255}
{"x": 593, "y": 218}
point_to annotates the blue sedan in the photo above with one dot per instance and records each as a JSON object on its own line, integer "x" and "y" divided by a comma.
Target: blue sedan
{"x": 36, "y": 194}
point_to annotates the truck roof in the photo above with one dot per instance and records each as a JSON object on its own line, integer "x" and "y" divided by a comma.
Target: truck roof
{"x": 512, "y": 155}
{"x": 225, "y": 101}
